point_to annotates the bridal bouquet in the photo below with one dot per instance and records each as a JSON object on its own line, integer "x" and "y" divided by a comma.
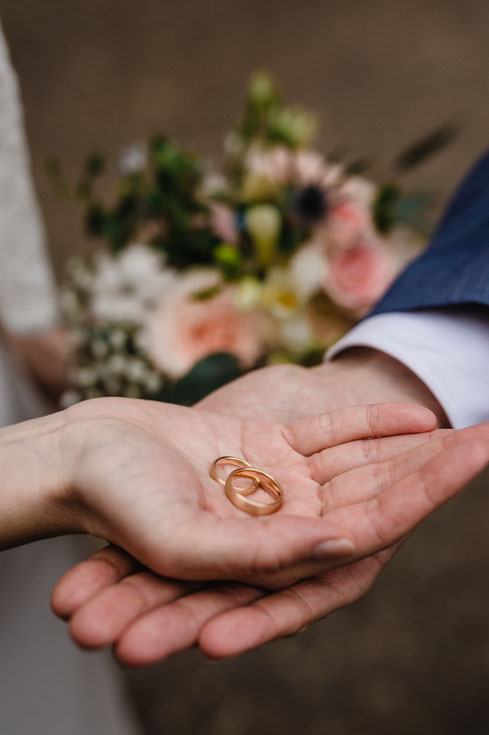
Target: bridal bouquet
{"x": 204, "y": 273}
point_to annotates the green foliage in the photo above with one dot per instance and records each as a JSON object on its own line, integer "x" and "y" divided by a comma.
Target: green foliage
{"x": 268, "y": 120}
{"x": 206, "y": 376}
{"x": 230, "y": 260}
{"x": 384, "y": 207}
{"x": 422, "y": 149}
{"x": 162, "y": 198}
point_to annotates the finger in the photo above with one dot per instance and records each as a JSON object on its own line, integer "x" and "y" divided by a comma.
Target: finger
{"x": 315, "y": 433}
{"x": 88, "y": 577}
{"x": 394, "y": 512}
{"x": 290, "y": 610}
{"x": 335, "y": 461}
{"x": 101, "y": 620}
{"x": 175, "y": 627}
{"x": 244, "y": 549}
{"x": 361, "y": 484}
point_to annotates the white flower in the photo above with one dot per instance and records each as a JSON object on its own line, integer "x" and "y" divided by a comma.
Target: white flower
{"x": 272, "y": 163}
{"x": 213, "y": 183}
{"x": 308, "y": 269}
{"x": 125, "y": 286}
{"x": 134, "y": 158}
{"x": 116, "y": 365}
{"x": 85, "y": 376}
{"x": 359, "y": 189}
{"x": 310, "y": 167}
{"x": 265, "y": 171}
{"x": 280, "y": 294}
{"x": 153, "y": 382}
{"x": 141, "y": 340}
{"x": 288, "y": 288}
{"x": 117, "y": 339}
{"x": 296, "y": 333}
{"x": 99, "y": 348}
{"x": 135, "y": 370}
{"x": 248, "y": 293}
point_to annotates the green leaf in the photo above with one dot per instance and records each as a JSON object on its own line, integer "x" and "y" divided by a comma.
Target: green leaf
{"x": 229, "y": 260}
{"x": 206, "y": 376}
{"x": 384, "y": 207}
{"x": 206, "y": 293}
{"x": 419, "y": 151}
{"x": 95, "y": 220}
{"x": 94, "y": 164}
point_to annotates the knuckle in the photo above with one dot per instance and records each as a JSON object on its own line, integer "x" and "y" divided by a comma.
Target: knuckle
{"x": 326, "y": 427}
{"x": 372, "y": 418}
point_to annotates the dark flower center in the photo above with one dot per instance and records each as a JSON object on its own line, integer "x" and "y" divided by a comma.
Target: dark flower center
{"x": 311, "y": 204}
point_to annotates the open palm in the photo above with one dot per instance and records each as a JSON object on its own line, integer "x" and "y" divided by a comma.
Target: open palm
{"x": 110, "y": 601}
{"x": 141, "y": 480}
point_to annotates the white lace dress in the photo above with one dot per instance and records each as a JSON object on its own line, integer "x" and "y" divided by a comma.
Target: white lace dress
{"x": 47, "y": 686}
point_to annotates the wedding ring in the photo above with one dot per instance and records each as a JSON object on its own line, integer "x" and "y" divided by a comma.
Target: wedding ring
{"x": 239, "y": 463}
{"x": 267, "y": 482}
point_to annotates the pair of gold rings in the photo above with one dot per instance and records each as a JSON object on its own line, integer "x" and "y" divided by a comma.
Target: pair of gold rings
{"x": 239, "y": 495}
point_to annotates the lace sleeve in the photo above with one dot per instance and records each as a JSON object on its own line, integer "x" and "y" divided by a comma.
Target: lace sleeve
{"x": 27, "y": 291}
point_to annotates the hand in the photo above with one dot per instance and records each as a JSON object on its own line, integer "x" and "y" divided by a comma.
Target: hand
{"x": 148, "y": 617}
{"x": 46, "y": 357}
{"x": 358, "y": 376}
{"x": 136, "y": 474}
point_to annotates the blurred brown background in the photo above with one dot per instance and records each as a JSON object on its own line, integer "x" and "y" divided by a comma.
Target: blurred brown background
{"x": 414, "y": 655}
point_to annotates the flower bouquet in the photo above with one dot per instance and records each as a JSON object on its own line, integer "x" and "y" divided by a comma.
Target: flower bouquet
{"x": 205, "y": 273}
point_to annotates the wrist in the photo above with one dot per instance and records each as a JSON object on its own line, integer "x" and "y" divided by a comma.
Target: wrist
{"x": 34, "y": 493}
{"x": 375, "y": 377}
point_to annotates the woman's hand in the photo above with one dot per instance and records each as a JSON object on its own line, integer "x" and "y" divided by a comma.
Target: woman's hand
{"x": 138, "y": 476}
{"x": 46, "y": 357}
{"x": 109, "y": 600}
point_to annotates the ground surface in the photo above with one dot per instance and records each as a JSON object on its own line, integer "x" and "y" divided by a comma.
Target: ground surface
{"x": 413, "y": 657}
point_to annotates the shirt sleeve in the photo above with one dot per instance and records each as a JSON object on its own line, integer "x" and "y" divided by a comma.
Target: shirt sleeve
{"x": 448, "y": 349}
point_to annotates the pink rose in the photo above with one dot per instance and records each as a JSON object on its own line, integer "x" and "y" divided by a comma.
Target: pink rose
{"x": 359, "y": 275}
{"x": 348, "y": 221}
{"x": 181, "y": 330}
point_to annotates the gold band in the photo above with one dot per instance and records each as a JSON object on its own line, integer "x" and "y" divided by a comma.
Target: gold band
{"x": 239, "y": 463}
{"x": 267, "y": 482}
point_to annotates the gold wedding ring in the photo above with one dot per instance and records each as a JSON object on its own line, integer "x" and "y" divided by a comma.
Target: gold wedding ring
{"x": 240, "y": 499}
{"x": 237, "y": 462}
{"x": 239, "y": 495}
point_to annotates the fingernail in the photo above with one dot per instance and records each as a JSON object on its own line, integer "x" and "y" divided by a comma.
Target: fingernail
{"x": 334, "y": 547}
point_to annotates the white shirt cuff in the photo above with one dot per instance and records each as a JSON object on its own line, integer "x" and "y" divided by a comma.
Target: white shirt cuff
{"x": 447, "y": 349}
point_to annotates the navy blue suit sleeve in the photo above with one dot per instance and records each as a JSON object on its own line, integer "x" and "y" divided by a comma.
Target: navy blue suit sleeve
{"x": 454, "y": 269}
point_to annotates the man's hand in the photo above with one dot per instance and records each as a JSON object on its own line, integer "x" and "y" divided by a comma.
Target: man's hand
{"x": 109, "y": 601}
{"x": 358, "y": 376}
